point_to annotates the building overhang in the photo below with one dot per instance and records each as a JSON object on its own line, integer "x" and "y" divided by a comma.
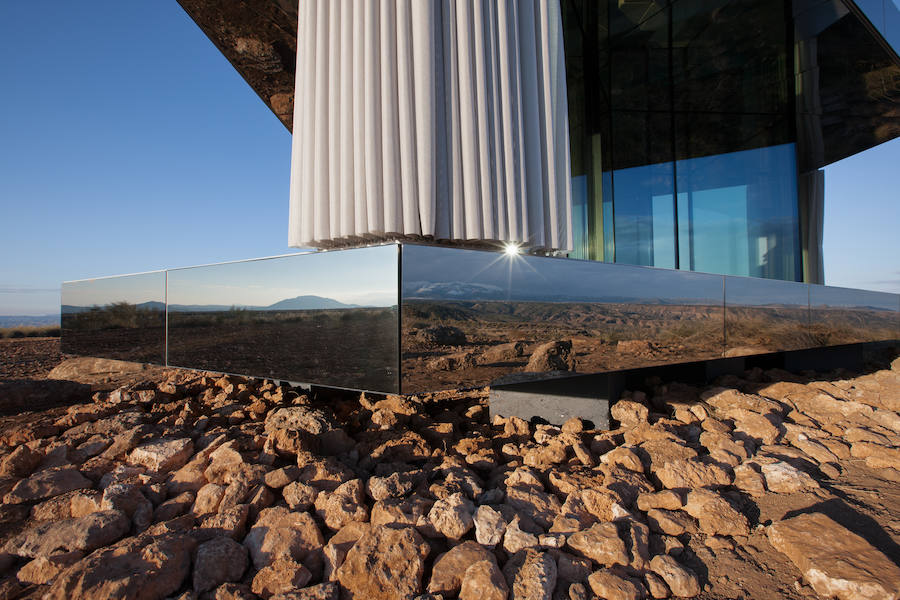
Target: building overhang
{"x": 858, "y": 75}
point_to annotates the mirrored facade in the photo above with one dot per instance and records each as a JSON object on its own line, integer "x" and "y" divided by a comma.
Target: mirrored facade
{"x": 470, "y": 317}
{"x": 122, "y": 318}
{"x": 408, "y": 318}
{"x": 325, "y": 317}
{"x": 850, "y": 316}
{"x": 763, "y": 315}
{"x": 692, "y": 121}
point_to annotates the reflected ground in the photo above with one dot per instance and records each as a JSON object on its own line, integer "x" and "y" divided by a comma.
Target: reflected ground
{"x": 120, "y": 331}
{"x": 351, "y": 348}
{"x": 604, "y": 337}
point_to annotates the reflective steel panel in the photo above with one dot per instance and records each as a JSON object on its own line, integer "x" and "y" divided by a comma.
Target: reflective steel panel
{"x": 469, "y": 317}
{"x": 328, "y": 318}
{"x": 765, "y": 315}
{"x": 122, "y": 317}
{"x": 847, "y": 316}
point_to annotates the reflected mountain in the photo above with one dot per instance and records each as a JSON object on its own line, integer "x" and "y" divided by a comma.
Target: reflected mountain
{"x": 296, "y": 303}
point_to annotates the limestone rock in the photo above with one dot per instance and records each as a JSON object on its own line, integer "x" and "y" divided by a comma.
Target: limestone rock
{"x": 279, "y": 478}
{"x": 174, "y": 507}
{"x": 447, "y": 575}
{"x": 44, "y": 569}
{"x": 163, "y": 455}
{"x": 610, "y": 586}
{"x": 747, "y": 479}
{"x": 452, "y": 516}
{"x": 340, "y": 543}
{"x": 835, "y": 561}
{"x": 715, "y": 515}
{"x": 84, "y": 534}
{"x": 218, "y": 561}
{"x": 299, "y": 496}
{"x": 516, "y": 539}
{"x": 534, "y": 503}
{"x": 784, "y": 478}
{"x": 128, "y": 499}
{"x": 666, "y": 499}
{"x": 20, "y": 462}
{"x": 384, "y": 564}
{"x": 231, "y": 522}
{"x": 394, "y": 485}
{"x": 691, "y": 473}
{"x": 530, "y": 574}
{"x": 296, "y": 428}
{"x": 280, "y": 533}
{"x": 46, "y": 484}
{"x": 489, "y": 526}
{"x": 483, "y": 580}
{"x": 669, "y": 522}
{"x": 601, "y": 543}
{"x": 344, "y": 505}
{"x": 208, "y": 499}
{"x": 146, "y": 567}
{"x": 682, "y": 581}
{"x": 282, "y": 576}
{"x": 629, "y": 413}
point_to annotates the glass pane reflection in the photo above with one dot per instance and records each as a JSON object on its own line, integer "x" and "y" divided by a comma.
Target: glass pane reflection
{"x": 764, "y": 315}
{"x": 328, "y": 318}
{"x": 502, "y": 309}
{"x": 847, "y": 316}
{"x": 738, "y": 213}
{"x": 122, "y": 318}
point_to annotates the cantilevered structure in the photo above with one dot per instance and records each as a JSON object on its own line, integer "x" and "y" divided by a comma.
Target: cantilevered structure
{"x": 653, "y": 168}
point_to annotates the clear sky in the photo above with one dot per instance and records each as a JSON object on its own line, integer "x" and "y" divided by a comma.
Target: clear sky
{"x": 128, "y": 143}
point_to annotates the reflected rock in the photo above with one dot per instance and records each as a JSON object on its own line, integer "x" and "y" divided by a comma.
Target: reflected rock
{"x": 442, "y": 335}
{"x": 552, "y": 356}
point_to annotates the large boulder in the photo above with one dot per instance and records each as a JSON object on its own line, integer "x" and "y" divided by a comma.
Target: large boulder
{"x": 46, "y": 484}
{"x": 151, "y": 566}
{"x": 280, "y": 533}
{"x": 84, "y": 533}
{"x": 835, "y": 561}
{"x": 384, "y": 564}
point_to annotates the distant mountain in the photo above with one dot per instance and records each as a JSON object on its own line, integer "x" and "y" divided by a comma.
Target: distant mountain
{"x": 308, "y": 303}
{"x": 298, "y": 303}
{"x": 28, "y": 321}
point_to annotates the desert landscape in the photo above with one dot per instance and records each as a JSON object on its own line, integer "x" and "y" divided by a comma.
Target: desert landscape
{"x": 123, "y": 480}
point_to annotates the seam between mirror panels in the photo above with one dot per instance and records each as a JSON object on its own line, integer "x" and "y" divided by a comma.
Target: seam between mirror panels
{"x": 399, "y": 319}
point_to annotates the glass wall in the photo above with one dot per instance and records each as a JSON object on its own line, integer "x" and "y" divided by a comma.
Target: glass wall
{"x": 682, "y": 135}
{"x": 884, "y": 15}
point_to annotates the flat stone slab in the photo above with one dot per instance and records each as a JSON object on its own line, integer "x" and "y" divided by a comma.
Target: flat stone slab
{"x": 835, "y": 561}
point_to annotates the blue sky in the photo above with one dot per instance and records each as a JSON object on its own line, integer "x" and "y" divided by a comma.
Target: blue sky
{"x": 128, "y": 143}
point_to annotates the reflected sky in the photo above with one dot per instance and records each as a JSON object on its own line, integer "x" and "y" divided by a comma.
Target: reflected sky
{"x": 134, "y": 289}
{"x": 765, "y": 292}
{"x": 454, "y": 274}
{"x": 359, "y": 276}
{"x": 820, "y": 296}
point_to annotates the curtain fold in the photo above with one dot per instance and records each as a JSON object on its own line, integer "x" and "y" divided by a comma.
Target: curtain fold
{"x": 438, "y": 118}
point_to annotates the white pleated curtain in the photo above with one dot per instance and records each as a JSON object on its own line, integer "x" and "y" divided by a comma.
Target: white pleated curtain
{"x": 442, "y": 118}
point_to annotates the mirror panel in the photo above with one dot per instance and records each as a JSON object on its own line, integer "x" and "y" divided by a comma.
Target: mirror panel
{"x": 328, "y": 318}
{"x": 848, "y": 316}
{"x": 471, "y": 317}
{"x": 122, "y": 318}
{"x": 765, "y": 315}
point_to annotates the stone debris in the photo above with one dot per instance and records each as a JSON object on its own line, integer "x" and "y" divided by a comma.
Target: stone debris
{"x": 217, "y": 487}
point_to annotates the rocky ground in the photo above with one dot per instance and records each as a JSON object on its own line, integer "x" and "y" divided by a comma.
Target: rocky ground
{"x": 154, "y": 483}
